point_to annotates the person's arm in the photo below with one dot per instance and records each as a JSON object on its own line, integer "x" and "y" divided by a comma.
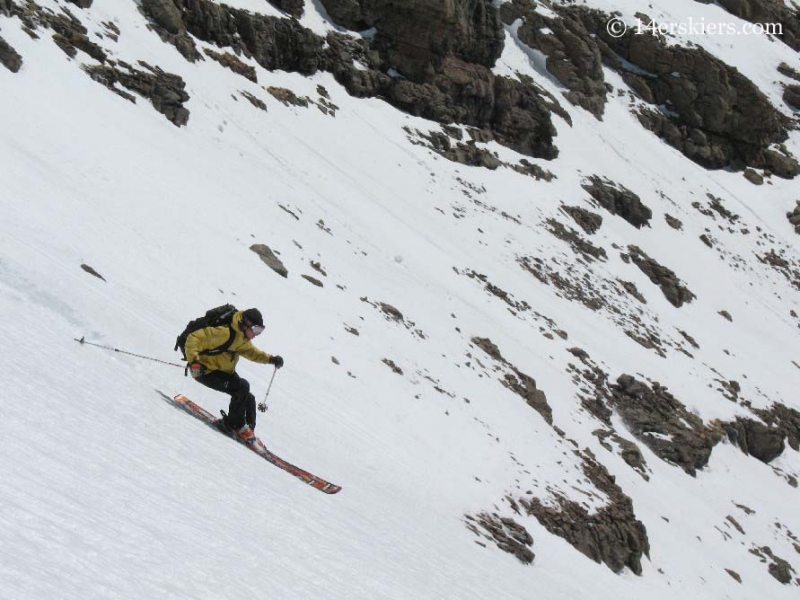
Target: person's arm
{"x": 250, "y": 352}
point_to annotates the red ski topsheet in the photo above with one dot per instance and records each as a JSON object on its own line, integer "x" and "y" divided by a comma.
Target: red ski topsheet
{"x": 257, "y": 446}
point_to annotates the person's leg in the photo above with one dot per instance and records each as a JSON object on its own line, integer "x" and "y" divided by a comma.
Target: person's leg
{"x": 239, "y": 389}
{"x": 250, "y": 410}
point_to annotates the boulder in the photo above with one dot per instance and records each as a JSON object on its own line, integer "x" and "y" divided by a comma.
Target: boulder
{"x": 663, "y": 424}
{"x": 9, "y": 57}
{"x": 573, "y": 55}
{"x": 266, "y": 254}
{"x": 619, "y": 200}
{"x": 415, "y": 36}
{"x": 791, "y": 95}
{"x": 674, "y": 291}
{"x": 611, "y": 535}
{"x": 768, "y": 12}
{"x": 166, "y": 91}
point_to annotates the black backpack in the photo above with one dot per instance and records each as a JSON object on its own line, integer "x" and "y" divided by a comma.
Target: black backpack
{"x": 220, "y": 316}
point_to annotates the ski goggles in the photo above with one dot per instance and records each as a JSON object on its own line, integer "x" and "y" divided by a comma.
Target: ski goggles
{"x": 256, "y": 329}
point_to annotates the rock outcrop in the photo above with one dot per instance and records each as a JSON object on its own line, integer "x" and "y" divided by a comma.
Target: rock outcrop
{"x": 674, "y": 291}
{"x": 573, "y": 57}
{"x": 292, "y": 7}
{"x": 166, "y": 91}
{"x": 766, "y": 439}
{"x": 430, "y": 61}
{"x": 232, "y": 62}
{"x": 619, "y": 200}
{"x": 9, "y": 57}
{"x": 794, "y": 217}
{"x": 767, "y": 13}
{"x": 69, "y": 33}
{"x": 580, "y": 246}
{"x": 611, "y": 535}
{"x": 663, "y": 424}
{"x": 415, "y": 37}
{"x": 711, "y": 112}
{"x": 269, "y": 258}
{"x": 506, "y": 533}
{"x": 703, "y": 107}
{"x": 756, "y": 439}
{"x": 588, "y": 221}
{"x": 518, "y": 382}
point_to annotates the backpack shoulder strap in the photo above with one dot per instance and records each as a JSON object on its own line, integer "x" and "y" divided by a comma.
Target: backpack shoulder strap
{"x": 224, "y": 347}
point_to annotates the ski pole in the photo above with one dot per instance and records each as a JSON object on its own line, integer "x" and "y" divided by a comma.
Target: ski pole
{"x": 163, "y": 362}
{"x": 263, "y": 406}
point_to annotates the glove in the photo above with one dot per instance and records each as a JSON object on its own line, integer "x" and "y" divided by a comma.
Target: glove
{"x": 277, "y": 361}
{"x": 195, "y": 370}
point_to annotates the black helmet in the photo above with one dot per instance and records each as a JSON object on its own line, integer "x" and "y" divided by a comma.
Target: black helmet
{"x": 252, "y": 316}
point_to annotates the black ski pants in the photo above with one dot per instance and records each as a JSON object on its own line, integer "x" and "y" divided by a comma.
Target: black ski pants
{"x": 243, "y": 404}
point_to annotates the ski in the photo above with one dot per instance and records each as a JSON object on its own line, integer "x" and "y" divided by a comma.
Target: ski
{"x": 257, "y": 446}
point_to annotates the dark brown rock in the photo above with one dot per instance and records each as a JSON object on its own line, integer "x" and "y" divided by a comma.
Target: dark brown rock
{"x": 81, "y": 3}
{"x": 312, "y": 280}
{"x": 70, "y": 34}
{"x": 789, "y": 72}
{"x": 767, "y": 13}
{"x": 756, "y": 439}
{"x": 579, "y": 245}
{"x": 287, "y": 97}
{"x": 707, "y": 109}
{"x": 663, "y": 424}
{"x": 266, "y": 254}
{"x": 391, "y": 312}
{"x": 165, "y": 91}
{"x": 507, "y": 534}
{"x": 444, "y": 53}
{"x": 518, "y": 382}
{"x": 415, "y": 36}
{"x": 674, "y": 291}
{"x": 794, "y": 217}
{"x": 465, "y": 153}
{"x": 390, "y": 363}
{"x": 588, "y": 221}
{"x": 165, "y": 13}
{"x": 232, "y": 62}
{"x": 779, "y": 568}
{"x": 753, "y": 177}
{"x": 611, "y": 535}
{"x": 673, "y": 222}
{"x": 573, "y": 55}
{"x": 791, "y": 95}
{"x": 91, "y": 271}
{"x": 9, "y": 57}
{"x": 254, "y": 100}
{"x": 275, "y": 43}
{"x": 619, "y": 200}
{"x": 735, "y": 575}
{"x": 292, "y": 7}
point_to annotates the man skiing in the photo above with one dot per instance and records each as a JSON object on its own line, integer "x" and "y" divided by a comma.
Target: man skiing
{"x": 218, "y": 370}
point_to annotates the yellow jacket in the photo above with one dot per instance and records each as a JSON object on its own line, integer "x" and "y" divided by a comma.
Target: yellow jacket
{"x": 214, "y": 337}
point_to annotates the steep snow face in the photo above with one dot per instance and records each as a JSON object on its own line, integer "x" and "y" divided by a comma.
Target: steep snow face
{"x": 109, "y": 492}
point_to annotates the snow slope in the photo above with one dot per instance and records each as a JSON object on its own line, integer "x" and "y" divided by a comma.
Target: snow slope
{"x": 109, "y": 492}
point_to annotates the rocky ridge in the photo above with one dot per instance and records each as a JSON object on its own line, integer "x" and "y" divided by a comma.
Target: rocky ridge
{"x": 695, "y": 102}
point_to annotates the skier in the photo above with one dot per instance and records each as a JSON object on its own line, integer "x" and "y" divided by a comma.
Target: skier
{"x": 218, "y": 371}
